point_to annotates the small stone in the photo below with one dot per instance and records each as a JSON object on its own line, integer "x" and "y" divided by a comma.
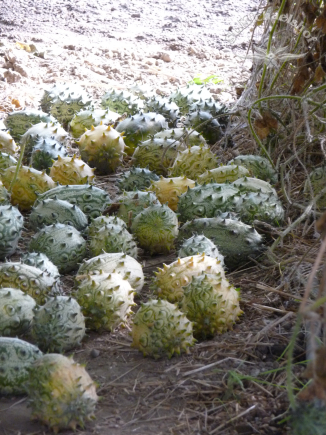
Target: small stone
{"x": 94, "y": 353}
{"x": 166, "y": 57}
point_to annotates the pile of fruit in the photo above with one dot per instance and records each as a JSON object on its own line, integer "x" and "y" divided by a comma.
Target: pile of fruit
{"x": 172, "y": 195}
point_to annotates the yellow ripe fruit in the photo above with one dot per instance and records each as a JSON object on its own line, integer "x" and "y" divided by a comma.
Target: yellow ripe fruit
{"x": 71, "y": 170}
{"x": 168, "y": 190}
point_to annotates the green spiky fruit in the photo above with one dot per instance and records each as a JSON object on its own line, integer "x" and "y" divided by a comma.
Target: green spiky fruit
{"x": 200, "y": 244}
{"x": 106, "y": 300}
{"x": 160, "y": 329}
{"x": 168, "y": 190}
{"x": 139, "y": 127}
{"x": 16, "y": 312}
{"x": 42, "y": 262}
{"x": 156, "y": 154}
{"x": 112, "y": 238}
{"x": 4, "y": 195}
{"x": 51, "y": 132}
{"x": 317, "y": 180}
{"x": 193, "y": 162}
{"x": 31, "y": 280}
{"x": 71, "y": 170}
{"x": 6, "y": 160}
{"x": 169, "y": 281}
{"x": 121, "y": 102}
{"x": 63, "y": 245}
{"x": 142, "y": 91}
{"x": 215, "y": 108}
{"x": 7, "y": 143}
{"x": 120, "y": 263}
{"x": 259, "y": 206}
{"x": 250, "y": 184}
{"x": 132, "y": 203}
{"x": 11, "y": 225}
{"x": 186, "y": 136}
{"x": 90, "y": 199}
{"x": 103, "y": 148}
{"x": 52, "y": 211}
{"x": 20, "y": 121}
{"x": 223, "y": 174}
{"x": 84, "y": 120}
{"x": 155, "y": 229}
{"x": 212, "y": 304}
{"x": 101, "y": 221}
{"x": 259, "y": 166}
{"x": 237, "y": 242}
{"x": 44, "y": 152}
{"x": 186, "y": 96}
{"x": 59, "y": 325}
{"x": 16, "y": 356}
{"x": 204, "y": 122}
{"x": 206, "y": 201}
{"x": 136, "y": 179}
{"x": 61, "y": 393}
{"x": 64, "y": 101}
{"x": 164, "y": 106}
{"x": 29, "y": 183}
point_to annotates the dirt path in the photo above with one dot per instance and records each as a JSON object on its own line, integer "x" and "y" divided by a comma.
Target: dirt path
{"x": 162, "y": 44}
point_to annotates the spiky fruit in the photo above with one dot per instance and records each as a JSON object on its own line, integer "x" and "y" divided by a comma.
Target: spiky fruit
{"x": 200, "y": 245}
{"x": 156, "y": 154}
{"x": 29, "y": 183}
{"x": 112, "y": 238}
{"x": 16, "y": 356}
{"x": 63, "y": 244}
{"x": 186, "y": 136}
{"x": 120, "y": 263}
{"x": 206, "y": 201}
{"x": 186, "y": 96}
{"x": 260, "y": 206}
{"x": 212, "y": 304}
{"x": 64, "y": 101}
{"x": 132, "y": 203}
{"x": 51, "y": 132}
{"x": 164, "y": 106}
{"x": 223, "y": 174}
{"x": 4, "y": 195}
{"x": 259, "y": 166}
{"x": 42, "y": 262}
{"x": 236, "y": 241}
{"x": 103, "y": 148}
{"x": 84, "y": 120}
{"x": 101, "y": 221}
{"x": 142, "y": 91}
{"x": 317, "y": 180}
{"x": 36, "y": 283}
{"x": 7, "y": 143}
{"x": 90, "y": 199}
{"x": 155, "y": 229}
{"x": 20, "y": 121}
{"x": 61, "y": 393}
{"x": 106, "y": 300}
{"x": 44, "y": 152}
{"x": 139, "y": 127}
{"x": 58, "y": 325}
{"x": 193, "y": 162}
{"x": 169, "y": 281}
{"x": 204, "y": 122}
{"x": 136, "y": 179}
{"x": 16, "y": 312}
{"x": 121, "y": 102}
{"x": 11, "y": 225}
{"x": 250, "y": 184}
{"x": 168, "y": 190}
{"x": 159, "y": 329}
{"x": 71, "y": 170}
{"x": 6, "y": 160}
{"x": 52, "y": 211}
{"x": 215, "y": 108}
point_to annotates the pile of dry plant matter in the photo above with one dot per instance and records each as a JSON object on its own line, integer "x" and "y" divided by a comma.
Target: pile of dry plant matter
{"x": 282, "y": 114}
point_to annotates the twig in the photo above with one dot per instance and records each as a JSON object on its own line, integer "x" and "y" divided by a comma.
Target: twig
{"x": 221, "y": 426}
